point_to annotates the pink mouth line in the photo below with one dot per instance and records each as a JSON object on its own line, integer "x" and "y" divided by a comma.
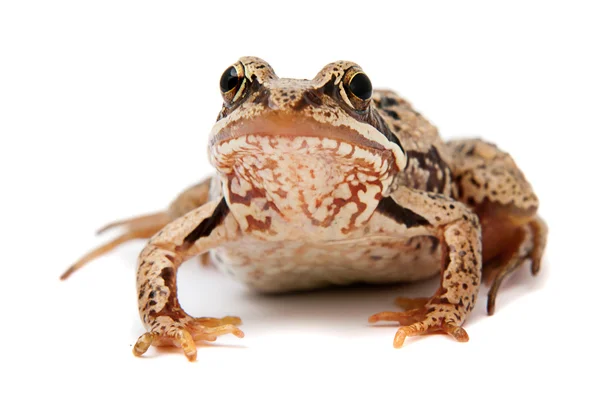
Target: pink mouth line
{"x": 294, "y": 127}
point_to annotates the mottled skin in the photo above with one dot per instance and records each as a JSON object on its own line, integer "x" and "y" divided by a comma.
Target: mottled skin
{"x": 324, "y": 182}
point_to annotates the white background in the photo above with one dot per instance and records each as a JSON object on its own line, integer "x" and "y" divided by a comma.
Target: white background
{"x": 105, "y": 109}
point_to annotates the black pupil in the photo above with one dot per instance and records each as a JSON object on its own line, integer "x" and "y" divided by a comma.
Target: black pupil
{"x": 229, "y": 79}
{"x": 360, "y": 86}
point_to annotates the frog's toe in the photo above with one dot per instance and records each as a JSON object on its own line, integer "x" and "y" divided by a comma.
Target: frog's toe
{"x": 179, "y": 337}
{"x": 404, "y": 318}
{"x": 208, "y": 329}
{"x": 186, "y": 335}
{"x": 430, "y": 318}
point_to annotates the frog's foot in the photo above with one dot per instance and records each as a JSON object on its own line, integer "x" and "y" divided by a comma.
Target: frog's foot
{"x": 530, "y": 248}
{"x": 141, "y": 227}
{"x": 185, "y": 332}
{"x": 432, "y": 316}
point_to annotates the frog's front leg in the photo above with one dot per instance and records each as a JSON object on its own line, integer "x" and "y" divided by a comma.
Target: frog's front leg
{"x": 195, "y": 233}
{"x": 458, "y": 230}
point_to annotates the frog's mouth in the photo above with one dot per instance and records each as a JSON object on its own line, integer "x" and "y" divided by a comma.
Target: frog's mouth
{"x": 353, "y": 144}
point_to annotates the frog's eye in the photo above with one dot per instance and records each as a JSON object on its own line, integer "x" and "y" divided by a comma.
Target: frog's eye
{"x": 358, "y": 89}
{"x": 232, "y": 83}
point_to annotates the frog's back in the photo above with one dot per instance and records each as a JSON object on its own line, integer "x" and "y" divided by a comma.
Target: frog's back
{"x": 429, "y": 164}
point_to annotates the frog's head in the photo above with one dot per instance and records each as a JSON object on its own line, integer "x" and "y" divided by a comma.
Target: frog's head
{"x": 307, "y": 146}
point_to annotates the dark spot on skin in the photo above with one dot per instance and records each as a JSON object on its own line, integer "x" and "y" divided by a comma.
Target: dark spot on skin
{"x": 171, "y": 308}
{"x": 152, "y": 294}
{"x": 432, "y": 163}
{"x": 314, "y": 97}
{"x": 207, "y": 225}
{"x": 388, "y": 101}
{"x": 375, "y": 257}
{"x": 451, "y": 206}
{"x": 465, "y": 286}
{"x": 388, "y": 207}
{"x": 435, "y": 242}
{"x": 262, "y": 97}
{"x": 392, "y": 114}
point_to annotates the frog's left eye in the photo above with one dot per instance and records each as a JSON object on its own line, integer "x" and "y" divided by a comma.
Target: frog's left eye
{"x": 232, "y": 83}
{"x": 358, "y": 88}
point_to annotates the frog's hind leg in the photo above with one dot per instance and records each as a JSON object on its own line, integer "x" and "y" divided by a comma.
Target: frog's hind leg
{"x": 529, "y": 248}
{"x": 136, "y": 228}
{"x": 490, "y": 183}
{"x": 143, "y": 227}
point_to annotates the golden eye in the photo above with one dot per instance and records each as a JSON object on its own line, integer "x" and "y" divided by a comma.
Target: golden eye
{"x": 358, "y": 88}
{"x": 232, "y": 83}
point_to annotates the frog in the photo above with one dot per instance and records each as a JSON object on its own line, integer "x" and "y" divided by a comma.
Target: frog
{"x": 329, "y": 182}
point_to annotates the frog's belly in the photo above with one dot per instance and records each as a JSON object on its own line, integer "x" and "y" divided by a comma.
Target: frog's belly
{"x": 288, "y": 266}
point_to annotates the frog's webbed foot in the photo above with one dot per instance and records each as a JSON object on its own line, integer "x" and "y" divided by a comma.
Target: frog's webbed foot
{"x": 433, "y": 316}
{"x": 185, "y": 332}
{"x": 530, "y": 245}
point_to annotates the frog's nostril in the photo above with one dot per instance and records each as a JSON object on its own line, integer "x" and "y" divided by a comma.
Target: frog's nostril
{"x": 313, "y": 97}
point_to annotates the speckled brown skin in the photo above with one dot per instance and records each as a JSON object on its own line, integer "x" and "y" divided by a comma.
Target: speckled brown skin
{"x": 319, "y": 185}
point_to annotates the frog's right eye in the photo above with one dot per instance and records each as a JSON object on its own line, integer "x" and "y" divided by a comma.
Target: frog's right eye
{"x": 232, "y": 83}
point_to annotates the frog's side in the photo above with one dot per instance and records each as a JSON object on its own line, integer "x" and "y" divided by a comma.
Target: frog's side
{"x": 325, "y": 182}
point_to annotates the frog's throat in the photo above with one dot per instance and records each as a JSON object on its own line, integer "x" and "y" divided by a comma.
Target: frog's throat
{"x": 280, "y": 186}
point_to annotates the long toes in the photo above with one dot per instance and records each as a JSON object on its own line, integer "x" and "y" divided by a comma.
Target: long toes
{"x": 143, "y": 343}
{"x": 457, "y": 332}
{"x": 404, "y": 318}
{"x": 201, "y": 332}
{"x": 400, "y": 336}
{"x": 214, "y": 322}
{"x": 186, "y": 341}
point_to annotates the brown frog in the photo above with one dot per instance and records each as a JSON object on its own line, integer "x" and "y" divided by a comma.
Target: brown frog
{"x": 327, "y": 181}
